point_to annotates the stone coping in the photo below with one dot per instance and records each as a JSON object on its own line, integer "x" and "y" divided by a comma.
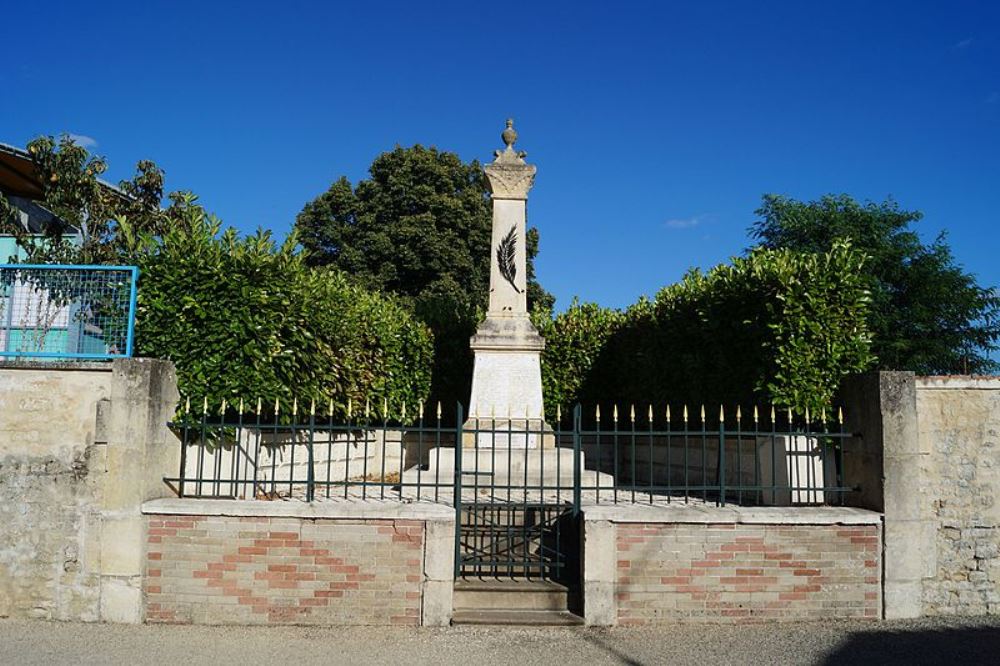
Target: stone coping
{"x": 361, "y": 509}
{"x": 959, "y": 382}
{"x": 808, "y": 515}
{"x": 101, "y": 366}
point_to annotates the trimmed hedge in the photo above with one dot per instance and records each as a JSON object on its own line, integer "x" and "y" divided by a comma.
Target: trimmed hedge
{"x": 775, "y": 326}
{"x": 245, "y": 319}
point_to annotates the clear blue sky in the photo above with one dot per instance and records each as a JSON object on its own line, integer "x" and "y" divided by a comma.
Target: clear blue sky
{"x": 655, "y": 126}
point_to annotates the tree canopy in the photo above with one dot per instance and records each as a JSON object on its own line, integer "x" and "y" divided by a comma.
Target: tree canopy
{"x": 419, "y": 226}
{"x": 90, "y": 214}
{"x": 776, "y": 327}
{"x": 927, "y": 314}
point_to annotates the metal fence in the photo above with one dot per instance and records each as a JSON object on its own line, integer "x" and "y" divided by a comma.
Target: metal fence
{"x": 62, "y": 312}
{"x": 764, "y": 457}
{"x": 517, "y": 484}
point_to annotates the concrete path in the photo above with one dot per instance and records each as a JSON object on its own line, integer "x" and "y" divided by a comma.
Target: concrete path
{"x": 911, "y": 642}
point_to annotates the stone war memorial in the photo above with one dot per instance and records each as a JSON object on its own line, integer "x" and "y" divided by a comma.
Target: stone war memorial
{"x": 505, "y": 437}
{"x": 123, "y": 501}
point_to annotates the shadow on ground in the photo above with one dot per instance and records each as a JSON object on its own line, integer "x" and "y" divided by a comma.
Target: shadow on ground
{"x": 957, "y": 645}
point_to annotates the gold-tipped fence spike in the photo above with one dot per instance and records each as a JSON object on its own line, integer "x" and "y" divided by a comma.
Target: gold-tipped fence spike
{"x": 668, "y": 412}
{"x": 295, "y": 406}
{"x": 739, "y": 414}
{"x": 439, "y": 410}
{"x": 204, "y": 405}
{"x": 722, "y": 414}
{"x": 385, "y": 407}
{"x": 790, "y": 417}
{"x": 614, "y": 414}
{"x": 597, "y": 412}
{"x": 558, "y": 413}
{"x": 808, "y": 420}
{"x": 368, "y": 407}
{"x": 703, "y": 413}
{"x": 187, "y": 405}
{"x": 631, "y": 413}
{"x": 260, "y": 404}
{"x": 312, "y": 407}
{"x": 277, "y": 406}
{"x": 350, "y": 407}
{"x": 685, "y": 413}
{"x": 822, "y": 415}
{"x": 756, "y": 415}
{"x": 241, "y": 405}
{"x": 222, "y": 408}
{"x": 420, "y": 407}
{"x": 403, "y": 410}
{"x": 773, "y": 415}
{"x": 650, "y": 414}
{"x": 840, "y": 415}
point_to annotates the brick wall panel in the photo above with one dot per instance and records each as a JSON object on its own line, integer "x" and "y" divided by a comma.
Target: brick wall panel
{"x": 676, "y": 572}
{"x": 227, "y": 570}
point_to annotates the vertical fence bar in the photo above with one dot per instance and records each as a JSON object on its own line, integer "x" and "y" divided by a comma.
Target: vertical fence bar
{"x": 577, "y": 454}
{"x": 722, "y": 456}
{"x": 458, "y": 489}
{"x": 311, "y": 473}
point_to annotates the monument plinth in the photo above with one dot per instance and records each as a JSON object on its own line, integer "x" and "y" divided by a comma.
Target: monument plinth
{"x": 507, "y": 376}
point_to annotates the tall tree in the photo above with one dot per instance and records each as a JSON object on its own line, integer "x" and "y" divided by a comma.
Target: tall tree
{"x": 89, "y": 213}
{"x": 419, "y": 226}
{"x": 927, "y": 314}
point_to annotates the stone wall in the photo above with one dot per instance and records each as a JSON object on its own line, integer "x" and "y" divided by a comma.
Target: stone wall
{"x": 81, "y": 447}
{"x": 650, "y": 565}
{"x": 959, "y": 439}
{"x": 245, "y": 562}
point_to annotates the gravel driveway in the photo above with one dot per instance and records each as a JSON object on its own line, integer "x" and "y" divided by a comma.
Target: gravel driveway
{"x": 909, "y": 642}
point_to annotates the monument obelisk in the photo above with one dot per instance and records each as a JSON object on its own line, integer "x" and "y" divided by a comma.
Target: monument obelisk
{"x": 507, "y": 376}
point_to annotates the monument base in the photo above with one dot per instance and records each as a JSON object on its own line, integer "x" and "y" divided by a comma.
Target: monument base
{"x": 503, "y": 469}
{"x": 505, "y": 408}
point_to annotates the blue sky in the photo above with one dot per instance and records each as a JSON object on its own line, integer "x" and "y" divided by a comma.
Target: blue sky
{"x": 655, "y": 127}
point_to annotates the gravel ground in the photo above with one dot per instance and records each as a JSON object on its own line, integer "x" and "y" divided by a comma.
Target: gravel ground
{"x": 908, "y": 642}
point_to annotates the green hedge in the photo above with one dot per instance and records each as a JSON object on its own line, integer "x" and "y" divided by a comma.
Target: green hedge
{"x": 245, "y": 319}
{"x": 775, "y": 326}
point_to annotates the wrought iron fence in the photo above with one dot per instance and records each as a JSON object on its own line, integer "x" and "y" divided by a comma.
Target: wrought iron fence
{"x": 62, "y": 312}
{"x": 748, "y": 457}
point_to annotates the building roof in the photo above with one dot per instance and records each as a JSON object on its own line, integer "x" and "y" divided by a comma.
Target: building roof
{"x": 17, "y": 173}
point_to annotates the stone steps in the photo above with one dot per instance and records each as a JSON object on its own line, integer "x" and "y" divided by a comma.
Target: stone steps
{"x": 512, "y": 602}
{"x": 531, "y": 618}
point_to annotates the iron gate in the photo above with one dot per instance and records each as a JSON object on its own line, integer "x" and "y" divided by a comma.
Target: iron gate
{"x": 517, "y": 507}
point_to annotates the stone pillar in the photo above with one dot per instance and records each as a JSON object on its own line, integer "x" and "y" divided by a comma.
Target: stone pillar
{"x": 139, "y": 451}
{"x": 507, "y": 377}
{"x": 887, "y": 463}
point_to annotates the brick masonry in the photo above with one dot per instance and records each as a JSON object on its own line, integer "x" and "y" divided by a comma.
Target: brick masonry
{"x": 270, "y": 570}
{"x": 746, "y": 572}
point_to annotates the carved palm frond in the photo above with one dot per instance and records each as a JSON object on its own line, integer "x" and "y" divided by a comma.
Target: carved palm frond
{"x": 505, "y": 257}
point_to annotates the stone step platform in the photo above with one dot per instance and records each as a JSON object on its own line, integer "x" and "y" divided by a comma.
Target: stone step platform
{"x": 513, "y": 595}
{"x": 507, "y": 467}
{"x": 512, "y": 601}
{"x": 519, "y": 618}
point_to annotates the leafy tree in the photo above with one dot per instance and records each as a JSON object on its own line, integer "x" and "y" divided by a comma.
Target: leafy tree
{"x": 89, "y": 212}
{"x": 419, "y": 227}
{"x": 927, "y": 314}
{"x": 244, "y": 318}
{"x": 778, "y": 327}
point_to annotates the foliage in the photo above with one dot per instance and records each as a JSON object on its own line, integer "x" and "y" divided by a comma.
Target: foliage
{"x": 574, "y": 341}
{"x": 245, "y": 319}
{"x": 86, "y": 229}
{"x": 419, "y": 227}
{"x": 775, "y": 326}
{"x": 927, "y": 314}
